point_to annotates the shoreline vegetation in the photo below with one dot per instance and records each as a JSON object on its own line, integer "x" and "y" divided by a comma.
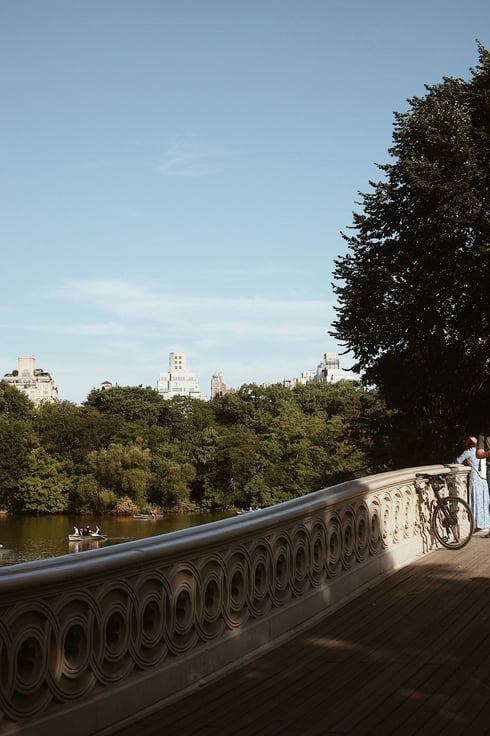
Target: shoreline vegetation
{"x": 126, "y": 449}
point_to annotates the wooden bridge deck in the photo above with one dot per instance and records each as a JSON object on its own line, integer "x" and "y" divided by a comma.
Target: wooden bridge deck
{"x": 409, "y": 656}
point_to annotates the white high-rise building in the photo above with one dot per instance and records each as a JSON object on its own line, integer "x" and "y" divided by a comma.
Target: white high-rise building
{"x": 329, "y": 370}
{"x": 178, "y": 381}
{"x": 36, "y": 384}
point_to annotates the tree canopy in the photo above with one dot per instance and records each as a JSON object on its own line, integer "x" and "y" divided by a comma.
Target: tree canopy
{"x": 412, "y": 289}
{"x": 129, "y": 449}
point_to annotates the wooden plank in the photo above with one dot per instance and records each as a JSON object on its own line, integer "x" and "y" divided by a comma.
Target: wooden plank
{"x": 409, "y": 656}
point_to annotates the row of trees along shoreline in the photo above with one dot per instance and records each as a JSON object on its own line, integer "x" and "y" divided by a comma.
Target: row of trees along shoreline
{"x": 126, "y": 448}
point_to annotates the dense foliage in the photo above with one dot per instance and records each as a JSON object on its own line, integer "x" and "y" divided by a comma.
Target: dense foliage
{"x": 128, "y": 449}
{"x": 412, "y": 288}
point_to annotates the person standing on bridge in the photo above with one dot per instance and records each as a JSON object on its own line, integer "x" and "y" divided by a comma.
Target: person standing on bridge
{"x": 478, "y": 495}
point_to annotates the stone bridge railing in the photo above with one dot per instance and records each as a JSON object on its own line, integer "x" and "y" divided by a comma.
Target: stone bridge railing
{"x": 89, "y": 642}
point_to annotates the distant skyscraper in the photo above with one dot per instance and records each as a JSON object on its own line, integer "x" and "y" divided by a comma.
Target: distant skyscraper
{"x": 329, "y": 370}
{"x": 178, "y": 381}
{"x": 218, "y": 388}
{"x": 36, "y": 384}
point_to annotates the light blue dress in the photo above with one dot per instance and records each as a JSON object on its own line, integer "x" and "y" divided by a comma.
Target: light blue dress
{"x": 478, "y": 496}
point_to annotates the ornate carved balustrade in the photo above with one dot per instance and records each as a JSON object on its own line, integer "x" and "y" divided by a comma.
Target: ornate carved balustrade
{"x": 90, "y": 641}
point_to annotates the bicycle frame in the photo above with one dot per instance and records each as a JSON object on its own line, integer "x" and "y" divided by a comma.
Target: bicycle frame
{"x": 451, "y": 519}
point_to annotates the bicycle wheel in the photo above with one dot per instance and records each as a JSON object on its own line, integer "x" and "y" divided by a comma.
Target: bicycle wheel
{"x": 452, "y": 522}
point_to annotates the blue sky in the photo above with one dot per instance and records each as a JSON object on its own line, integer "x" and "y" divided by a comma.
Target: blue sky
{"x": 175, "y": 175}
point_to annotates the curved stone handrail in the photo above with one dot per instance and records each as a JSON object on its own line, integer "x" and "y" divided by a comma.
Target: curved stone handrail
{"x": 89, "y": 641}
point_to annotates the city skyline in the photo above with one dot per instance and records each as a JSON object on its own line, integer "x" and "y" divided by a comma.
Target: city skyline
{"x": 197, "y": 388}
{"x": 177, "y": 176}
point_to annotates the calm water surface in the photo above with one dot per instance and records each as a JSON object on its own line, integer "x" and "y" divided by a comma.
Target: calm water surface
{"x": 27, "y": 538}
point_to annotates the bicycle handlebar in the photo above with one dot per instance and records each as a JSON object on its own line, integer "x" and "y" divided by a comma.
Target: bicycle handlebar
{"x": 431, "y": 476}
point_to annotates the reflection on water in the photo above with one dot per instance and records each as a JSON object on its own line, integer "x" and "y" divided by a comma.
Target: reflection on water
{"x": 28, "y": 538}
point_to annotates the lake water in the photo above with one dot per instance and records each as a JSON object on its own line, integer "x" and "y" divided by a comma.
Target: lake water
{"x": 28, "y": 538}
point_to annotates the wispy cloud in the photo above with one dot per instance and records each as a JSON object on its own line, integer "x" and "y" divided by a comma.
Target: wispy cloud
{"x": 191, "y": 156}
{"x": 129, "y": 328}
{"x": 248, "y": 316}
{"x": 97, "y": 329}
{"x": 123, "y": 331}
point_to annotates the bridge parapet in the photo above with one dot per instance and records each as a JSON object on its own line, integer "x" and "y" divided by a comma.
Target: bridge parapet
{"x": 90, "y": 641}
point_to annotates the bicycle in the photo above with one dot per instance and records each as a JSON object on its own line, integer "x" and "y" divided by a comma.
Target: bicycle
{"x": 451, "y": 519}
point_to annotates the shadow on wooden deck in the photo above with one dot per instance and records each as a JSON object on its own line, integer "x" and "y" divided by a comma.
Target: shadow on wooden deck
{"x": 409, "y": 656}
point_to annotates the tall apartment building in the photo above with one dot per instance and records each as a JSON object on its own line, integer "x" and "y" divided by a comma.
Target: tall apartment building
{"x": 178, "y": 381}
{"x": 36, "y": 384}
{"x": 329, "y": 370}
{"x": 218, "y": 387}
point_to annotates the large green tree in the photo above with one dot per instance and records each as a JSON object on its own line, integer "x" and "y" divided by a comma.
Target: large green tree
{"x": 123, "y": 469}
{"x": 14, "y": 404}
{"x": 413, "y": 286}
{"x": 46, "y": 486}
{"x": 131, "y": 402}
{"x": 16, "y": 441}
{"x": 72, "y": 431}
